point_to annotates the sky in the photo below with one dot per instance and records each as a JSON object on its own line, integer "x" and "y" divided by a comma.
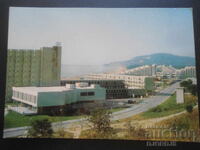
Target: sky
{"x": 96, "y": 36}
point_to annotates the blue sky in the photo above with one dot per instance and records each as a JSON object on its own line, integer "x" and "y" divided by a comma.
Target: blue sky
{"x": 102, "y": 35}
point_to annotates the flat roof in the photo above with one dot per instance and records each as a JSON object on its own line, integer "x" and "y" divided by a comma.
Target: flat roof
{"x": 35, "y": 90}
{"x": 91, "y": 80}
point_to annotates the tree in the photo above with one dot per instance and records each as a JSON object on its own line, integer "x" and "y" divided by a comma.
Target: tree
{"x": 40, "y": 129}
{"x": 186, "y": 83}
{"x": 100, "y": 120}
{"x": 189, "y": 108}
{"x": 193, "y": 89}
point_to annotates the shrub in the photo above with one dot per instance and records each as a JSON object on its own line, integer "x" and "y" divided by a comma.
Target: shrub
{"x": 134, "y": 132}
{"x": 100, "y": 120}
{"x": 189, "y": 108}
{"x": 40, "y": 129}
{"x": 157, "y": 109}
{"x": 186, "y": 83}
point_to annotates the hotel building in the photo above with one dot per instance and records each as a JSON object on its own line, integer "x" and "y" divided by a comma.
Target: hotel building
{"x": 41, "y": 67}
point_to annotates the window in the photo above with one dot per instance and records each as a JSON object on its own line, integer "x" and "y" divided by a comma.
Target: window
{"x": 23, "y": 96}
{"x": 31, "y": 98}
{"x": 28, "y": 98}
{"x": 14, "y": 94}
{"x": 87, "y": 93}
{"x": 34, "y": 100}
{"x": 83, "y": 93}
{"x": 17, "y": 94}
{"x": 90, "y": 93}
{"x": 20, "y": 95}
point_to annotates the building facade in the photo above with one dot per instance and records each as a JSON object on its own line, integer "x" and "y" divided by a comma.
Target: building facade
{"x": 147, "y": 70}
{"x": 130, "y": 81}
{"x": 114, "y": 88}
{"x": 47, "y": 99}
{"x": 187, "y": 72}
{"x": 40, "y": 67}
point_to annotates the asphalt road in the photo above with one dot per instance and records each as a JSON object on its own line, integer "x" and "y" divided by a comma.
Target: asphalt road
{"x": 147, "y": 103}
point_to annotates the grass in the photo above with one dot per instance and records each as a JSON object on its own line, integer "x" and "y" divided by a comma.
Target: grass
{"x": 168, "y": 107}
{"x": 183, "y": 121}
{"x": 13, "y": 119}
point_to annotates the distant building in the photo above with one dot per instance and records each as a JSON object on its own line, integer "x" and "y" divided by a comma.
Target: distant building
{"x": 114, "y": 88}
{"x": 130, "y": 81}
{"x": 147, "y": 70}
{"x": 40, "y": 67}
{"x": 187, "y": 72}
{"x": 44, "y": 100}
{"x": 164, "y": 71}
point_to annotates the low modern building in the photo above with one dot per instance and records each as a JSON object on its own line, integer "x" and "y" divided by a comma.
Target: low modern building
{"x": 114, "y": 88}
{"x": 130, "y": 81}
{"x": 45, "y": 100}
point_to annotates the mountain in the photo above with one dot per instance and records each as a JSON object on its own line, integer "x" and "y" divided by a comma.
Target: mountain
{"x": 158, "y": 59}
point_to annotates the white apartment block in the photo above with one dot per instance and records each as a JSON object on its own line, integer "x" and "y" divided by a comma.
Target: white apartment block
{"x": 132, "y": 82}
{"x": 189, "y": 71}
{"x": 147, "y": 70}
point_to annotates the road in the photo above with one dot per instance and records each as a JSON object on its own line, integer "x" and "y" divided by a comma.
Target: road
{"x": 147, "y": 103}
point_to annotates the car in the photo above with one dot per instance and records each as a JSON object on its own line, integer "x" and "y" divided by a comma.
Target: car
{"x": 131, "y": 101}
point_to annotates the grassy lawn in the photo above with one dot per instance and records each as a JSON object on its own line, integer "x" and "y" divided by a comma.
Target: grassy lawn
{"x": 13, "y": 119}
{"x": 168, "y": 107}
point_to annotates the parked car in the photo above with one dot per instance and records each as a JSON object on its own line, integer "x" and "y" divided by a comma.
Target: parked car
{"x": 130, "y": 101}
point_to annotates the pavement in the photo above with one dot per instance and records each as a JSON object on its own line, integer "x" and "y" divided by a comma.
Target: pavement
{"x": 147, "y": 103}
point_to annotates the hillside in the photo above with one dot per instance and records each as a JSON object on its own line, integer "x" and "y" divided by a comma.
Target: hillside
{"x": 158, "y": 59}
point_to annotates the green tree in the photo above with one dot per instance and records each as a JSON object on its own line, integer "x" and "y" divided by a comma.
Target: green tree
{"x": 186, "y": 83}
{"x": 189, "y": 108}
{"x": 40, "y": 129}
{"x": 193, "y": 89}
{"x": 100, "y": 120}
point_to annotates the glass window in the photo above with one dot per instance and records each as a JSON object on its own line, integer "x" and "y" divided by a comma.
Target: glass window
{"x": 90, "y": 93}
{"x": 83, "y": 93}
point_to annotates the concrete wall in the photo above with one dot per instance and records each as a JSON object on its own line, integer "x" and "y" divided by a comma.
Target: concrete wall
{"x": 51, "y": 99}
{"x": 46, "y": 99}
{"x": 180, "y": 95}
